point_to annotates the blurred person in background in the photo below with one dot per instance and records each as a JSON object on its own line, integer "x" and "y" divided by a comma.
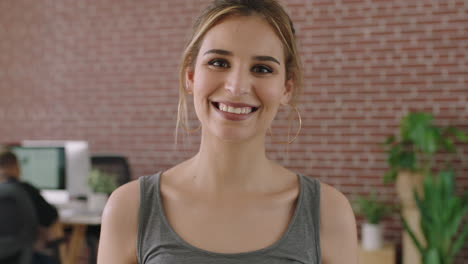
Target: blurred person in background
{"x": 10, "y": 173}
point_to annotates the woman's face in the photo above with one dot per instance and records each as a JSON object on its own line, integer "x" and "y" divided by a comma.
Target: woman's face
{"x": 239, "y": 79}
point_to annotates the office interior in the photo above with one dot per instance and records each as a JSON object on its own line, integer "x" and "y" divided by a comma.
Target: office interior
{"x": 105, "y": 73}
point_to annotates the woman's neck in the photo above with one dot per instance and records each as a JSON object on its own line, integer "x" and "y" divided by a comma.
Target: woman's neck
{"x": 228, "y": 165}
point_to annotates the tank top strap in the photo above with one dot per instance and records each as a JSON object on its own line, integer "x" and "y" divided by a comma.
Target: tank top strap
{"x": 151, "y": 229}
{"x": 309, "y": 215}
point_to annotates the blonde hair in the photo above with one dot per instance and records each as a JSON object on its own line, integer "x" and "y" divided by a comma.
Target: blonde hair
{"x": 271, "y": 11}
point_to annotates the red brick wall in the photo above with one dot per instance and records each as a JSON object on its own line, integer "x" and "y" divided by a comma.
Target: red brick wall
{"x": 106, "y": 71}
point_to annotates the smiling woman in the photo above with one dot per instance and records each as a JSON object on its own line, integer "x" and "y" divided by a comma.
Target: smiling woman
{"x": 238, "y": 87}
{"x": 230, "y": 203}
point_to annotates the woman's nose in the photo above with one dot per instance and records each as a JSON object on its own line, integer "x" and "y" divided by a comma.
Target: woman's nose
{"x": 238, "y": 82}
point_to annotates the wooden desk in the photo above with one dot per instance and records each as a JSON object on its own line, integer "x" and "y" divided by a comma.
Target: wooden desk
{"x": 386, "y": 255}
{"x": 78, "y": 219}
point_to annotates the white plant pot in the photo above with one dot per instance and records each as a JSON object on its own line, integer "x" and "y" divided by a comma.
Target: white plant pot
{"x": 97, "y": 201}
{"x": 372, "y": 236}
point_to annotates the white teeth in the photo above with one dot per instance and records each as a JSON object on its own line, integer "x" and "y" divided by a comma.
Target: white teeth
{"x": 234, "y": 110}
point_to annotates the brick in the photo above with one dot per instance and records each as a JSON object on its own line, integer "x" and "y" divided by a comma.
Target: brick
{"x": 106, "y": 72}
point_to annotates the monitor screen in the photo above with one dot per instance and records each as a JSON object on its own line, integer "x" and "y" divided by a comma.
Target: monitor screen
{"x": 43, "y": 167}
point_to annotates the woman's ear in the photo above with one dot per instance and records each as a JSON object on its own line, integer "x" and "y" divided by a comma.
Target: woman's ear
{"x": 288, "y": 92}
{"x": 189, "y": 80}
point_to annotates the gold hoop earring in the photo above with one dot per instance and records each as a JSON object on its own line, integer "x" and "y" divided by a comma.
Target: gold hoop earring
{"x": 298, "y": 131}
{"x": 188, "y": 130}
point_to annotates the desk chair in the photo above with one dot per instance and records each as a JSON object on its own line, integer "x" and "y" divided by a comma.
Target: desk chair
{"x": 116, "y": 165}
{"x": 18, "y": 225}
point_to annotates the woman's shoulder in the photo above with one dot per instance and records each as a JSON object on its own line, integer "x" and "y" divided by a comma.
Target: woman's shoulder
{"x": 333, "y": 203}
{"x": 123, "y": 201}
{"x": 335, "y": 209}
{"x": 330, "y": 196}
{"x": 128, "y": 191}
{"x": 337, "y": 225}
{"x": 119, "y": 225}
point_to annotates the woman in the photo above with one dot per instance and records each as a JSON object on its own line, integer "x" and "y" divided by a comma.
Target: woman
{"x": 229, "y": 203}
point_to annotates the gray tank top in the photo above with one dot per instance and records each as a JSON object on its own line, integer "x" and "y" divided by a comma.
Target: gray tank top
{"x": 158, "y": 243}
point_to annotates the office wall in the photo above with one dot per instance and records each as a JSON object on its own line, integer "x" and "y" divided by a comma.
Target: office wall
{"x": 106, "y": 71}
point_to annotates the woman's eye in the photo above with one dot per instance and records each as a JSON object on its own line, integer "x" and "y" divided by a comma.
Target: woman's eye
{"x": 261, "y": 69}
{"x": 218, "y": 63}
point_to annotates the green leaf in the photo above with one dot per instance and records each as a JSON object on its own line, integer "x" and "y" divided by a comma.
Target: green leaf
{"x": 415, "y": 124}
{"x": 390, "y": 140}
{"x": 407, "y": 160}
{"x": 447, "y": 181}
{"x": 390, "y": 176}
{"x": 448, "y": 145}
{"x": 371, "y": 208}
{"x": 432, "y": 257}
{"x": 458, "y": 244}
{"x": 455, "y": 218}
{"x": 459, "y": 135}
{"x": 429, "y": 140}
{"x": 412, "y": 236}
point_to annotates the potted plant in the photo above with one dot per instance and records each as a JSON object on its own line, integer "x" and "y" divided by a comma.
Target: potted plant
{"x": 419, "y": 140}
{"x": 442, "y": 213}
{"x": 373, "y": 211}
{"x": 411, "y": 156}
{"x": 101, "y": 184}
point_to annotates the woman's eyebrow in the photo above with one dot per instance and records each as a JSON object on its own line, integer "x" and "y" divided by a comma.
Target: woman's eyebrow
{"x": 266, "y": 58}
{"x": 229, "y": 53}
{"x": 218, "y": 51}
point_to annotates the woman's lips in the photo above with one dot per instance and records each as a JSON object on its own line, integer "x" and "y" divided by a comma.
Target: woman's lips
{"x": 234, "y": 111}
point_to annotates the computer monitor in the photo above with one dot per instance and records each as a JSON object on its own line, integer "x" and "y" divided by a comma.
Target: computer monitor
{"x": 77, "y": 166}
{"x": 43, "y": 167}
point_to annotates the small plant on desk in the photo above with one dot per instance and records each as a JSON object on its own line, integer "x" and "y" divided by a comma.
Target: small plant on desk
{"x": 373, "y": 211}
{"x": 101, "y": 184}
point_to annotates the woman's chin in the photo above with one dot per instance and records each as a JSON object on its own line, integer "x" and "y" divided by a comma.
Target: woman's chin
{"x": 233, "y": 135}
